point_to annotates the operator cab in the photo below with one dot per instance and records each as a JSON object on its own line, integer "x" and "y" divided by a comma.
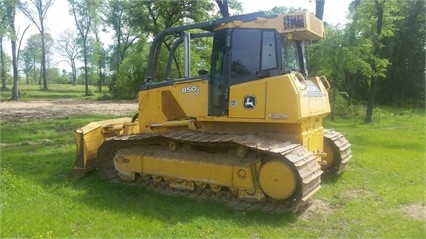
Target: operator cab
{"x": 240, "y": 55}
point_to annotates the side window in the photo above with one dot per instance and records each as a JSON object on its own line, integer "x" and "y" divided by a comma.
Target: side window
{"x": 291, "y": 57}
{"x": 245, "y": 53}
{"x": 269, "y": 59}
{"x": 254, "y": 54}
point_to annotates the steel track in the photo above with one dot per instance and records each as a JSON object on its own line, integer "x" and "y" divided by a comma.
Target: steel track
{"x": 344, "y": 148}
{"x": 304, "y": 162}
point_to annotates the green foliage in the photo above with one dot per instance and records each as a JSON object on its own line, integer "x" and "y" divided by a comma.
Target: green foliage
{"x": 283, "y": 9}
{"x": 92, "y": 76}
{"x": 36, "y": 12}
{"x": 341, "y": 108}
{"x": 31, "y": 57}
{"x": 201, "y": 54}
{"x": 395, "y": 58}
{"x": 385, "y": 176}
{"x": 86, "y": 16}
{"x": 55, "y": 77}
{"x": 405, "y": 84}
{"x": 234, "y": 6}
{"x": 151, "y": 17}
{"x": 125, "y": 82}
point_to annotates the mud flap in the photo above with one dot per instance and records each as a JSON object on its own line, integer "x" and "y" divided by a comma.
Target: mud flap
{"x": 89, "y": 138}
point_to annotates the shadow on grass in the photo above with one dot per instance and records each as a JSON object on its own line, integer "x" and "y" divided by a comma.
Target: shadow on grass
{"x": 51, "y": 94}
{"x": 131, "y": 198}
{"x": 331, "y": 179}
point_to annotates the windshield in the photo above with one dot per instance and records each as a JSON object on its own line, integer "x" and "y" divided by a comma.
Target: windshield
{"x": 292, "y": 55}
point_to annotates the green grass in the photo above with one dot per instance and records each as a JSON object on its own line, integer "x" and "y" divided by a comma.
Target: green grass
{"x": 38, "y": 200}
{"x": 56, "y": 91}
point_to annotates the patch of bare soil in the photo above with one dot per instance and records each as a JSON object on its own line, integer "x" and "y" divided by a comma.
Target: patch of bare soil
{"x": 23, "y": 111}
{"x": 356, "y": 193}
{"x": 316, "y": 206}
{"x": 416, "y": 211}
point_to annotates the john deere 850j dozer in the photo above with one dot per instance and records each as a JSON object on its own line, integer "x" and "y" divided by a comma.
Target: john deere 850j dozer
{"x": 250, "y": 128}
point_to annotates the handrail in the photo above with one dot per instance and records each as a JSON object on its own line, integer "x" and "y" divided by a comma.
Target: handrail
{"x": 324, "y": 79}
{"x": 302, "y": 79}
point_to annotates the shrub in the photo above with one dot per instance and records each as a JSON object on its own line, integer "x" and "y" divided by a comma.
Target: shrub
{"x": 342, "y": 109}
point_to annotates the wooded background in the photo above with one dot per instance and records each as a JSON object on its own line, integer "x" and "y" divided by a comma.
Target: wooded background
{"x": 377, "y": 57}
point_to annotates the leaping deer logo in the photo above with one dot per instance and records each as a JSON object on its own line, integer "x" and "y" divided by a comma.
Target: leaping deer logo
{"x": 249, "y": 102}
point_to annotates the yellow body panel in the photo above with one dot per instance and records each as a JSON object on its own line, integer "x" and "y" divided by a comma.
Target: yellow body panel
{"x": 286, "y": 108}
{"x": 180, "y": 100}
{"x": 279, "y": 99}
{"x": 240, "y": 92}
{"x": 195, "y": 166}
{"x": 283, "y": 99}
{"x": 312, "y": 27}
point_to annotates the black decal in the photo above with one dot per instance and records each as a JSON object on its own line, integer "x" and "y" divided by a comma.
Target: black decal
{"x": 249, "y": 102}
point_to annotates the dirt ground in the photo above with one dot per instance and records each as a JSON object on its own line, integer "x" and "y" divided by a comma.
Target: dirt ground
{"x": 17, "y": 110}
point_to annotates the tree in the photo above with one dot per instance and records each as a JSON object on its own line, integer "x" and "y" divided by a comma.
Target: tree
{"x": 97, "y": 58}
{"x": 3, "y": 66}
{"x": 31, "y": 55}
{"x": 4, "y": 25}
{"x": 11, "y": 12}
{"x": 152, "y": 17}
{"x": 99, "y": 55}
{"x": 69, "y": 48}
{"x": 125, "y": 81}
{"x": 405, "y": 85}
{"x": 378, "y": 65}
{"x": 124, "y": 35}
{"x": 28, "y": 64}
{"x": 36, "y": 12}
{"x": 85, "y": 14}
{"x": 372, "y": 33}
{"x": 332, "y": 65}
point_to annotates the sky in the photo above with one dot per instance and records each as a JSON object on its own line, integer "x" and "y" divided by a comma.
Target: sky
{"x": 59, "y": 19}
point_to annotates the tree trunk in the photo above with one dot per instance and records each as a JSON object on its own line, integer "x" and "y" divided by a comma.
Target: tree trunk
{"x": 86, "y": 77}
{"x": 34, "y": 72}
{"x": 74, "y": 73}
{"x": 100, "y": 77}
{"x": 373, "y": 86}
{"x": 352, "y": 87}
{"x": 3, "y": 67}
{"x": 15, "y": 88}
{"x": 40, "y": 77}
{"x": 43, "y": 59}
{"x": 371, "y": 98}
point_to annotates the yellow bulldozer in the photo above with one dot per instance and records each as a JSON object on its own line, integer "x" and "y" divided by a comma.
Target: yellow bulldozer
{"x": 249, "y": 128}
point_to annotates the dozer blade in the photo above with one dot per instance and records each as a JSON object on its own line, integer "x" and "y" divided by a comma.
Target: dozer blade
{"x": 88, "y": 139}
